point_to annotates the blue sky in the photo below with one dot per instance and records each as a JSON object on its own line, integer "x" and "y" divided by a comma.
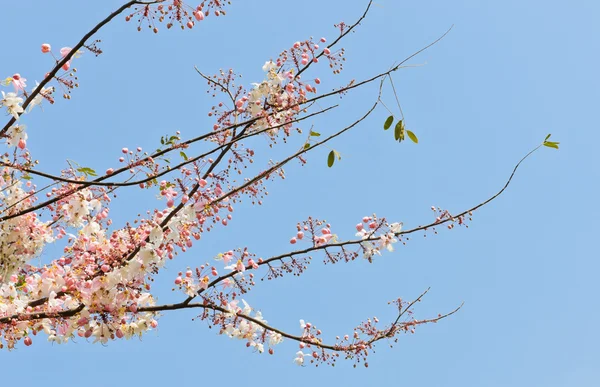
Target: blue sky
{"x": 508, "y": 74}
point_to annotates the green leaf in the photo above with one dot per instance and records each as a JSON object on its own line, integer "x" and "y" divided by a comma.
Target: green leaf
{"x": 331, "y": 159}
{"x": 26, "y": 177}
{"x": 182, "y": 153}
{"x": 388, "y": 122}
{"x": 314, "y": 134}
{"x": 399, "y": 131}
{"x": 551, "y": 144}
{"x": 547, "y": 137}
{"x": 412, "y": 136}
{"x": 337, "y": 154}
{"x": 162, "y": 140}
{"x": 87, "y": 171}
{"x": 306, "y": 146}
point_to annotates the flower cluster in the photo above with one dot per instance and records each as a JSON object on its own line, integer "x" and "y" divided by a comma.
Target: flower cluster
{"x": 377, "y": 235}
{"x": 21, "y": 238}
{"x": 175, "y": 12}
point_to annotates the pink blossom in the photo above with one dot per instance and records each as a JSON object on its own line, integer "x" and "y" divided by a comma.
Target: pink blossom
{"x": 170, "y": 194}
{"x": 18, "y": 82}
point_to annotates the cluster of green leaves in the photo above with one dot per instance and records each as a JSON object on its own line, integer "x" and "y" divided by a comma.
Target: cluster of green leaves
{"x": 85, "y": 170}
{"x": 399, "y": 130}
{"x": 550, "y": 144}
{"x": 170, "y": 141}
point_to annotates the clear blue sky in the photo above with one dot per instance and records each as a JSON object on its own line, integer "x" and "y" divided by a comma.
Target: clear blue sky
{"x": 527, "y": 269}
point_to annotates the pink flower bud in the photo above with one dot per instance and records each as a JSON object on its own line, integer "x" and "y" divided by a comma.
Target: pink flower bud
{"x": 317, "y": 81}
{"x": 27, "y": 341}
{"x": 178, "y": 281}
{"x": 359, "y": 227}
{"x": 327, "y": 51}
{"x": 109, "y": 171}
{"x": 46, "y": 48}
{"x": 293, "y": 241}
{"x": 300, "y": 235}
{"x": 153, "y": 323}
{"x": 199, "y": 15}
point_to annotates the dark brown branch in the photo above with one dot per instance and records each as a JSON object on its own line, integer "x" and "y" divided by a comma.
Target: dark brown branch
{"x": 70, "y": 55}
{"x": 342, "y": 35}
{"x": 373, "y": 238}
{"x": 42, "y": 315}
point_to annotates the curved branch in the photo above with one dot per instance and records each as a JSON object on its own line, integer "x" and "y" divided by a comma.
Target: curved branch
{"x": 70, "y": 55}
{"x": 395, "y": 327}
{"x": 373, "y": 238}
{"x": 342, "y": 35}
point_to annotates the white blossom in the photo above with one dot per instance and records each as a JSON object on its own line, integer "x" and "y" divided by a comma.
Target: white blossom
{"x": 12, "y": 102}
